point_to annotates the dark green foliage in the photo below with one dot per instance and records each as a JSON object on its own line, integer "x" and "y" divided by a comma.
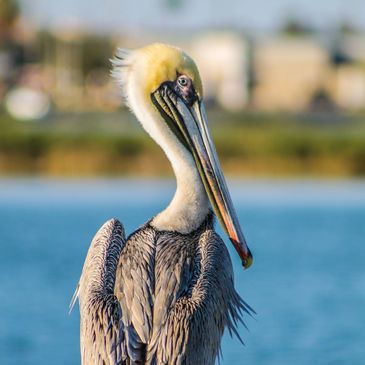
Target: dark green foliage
{"x": 251, "y": 143}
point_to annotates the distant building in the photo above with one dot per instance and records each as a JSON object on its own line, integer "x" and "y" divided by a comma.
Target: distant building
{"x": 271, "y": 73}
{"x": 288, "y": 72}
{"x": 64, "y": 57}
{"x": 223, "y": 62}
{"x": 349, "y": 90}
{"x": 348, "y": 79}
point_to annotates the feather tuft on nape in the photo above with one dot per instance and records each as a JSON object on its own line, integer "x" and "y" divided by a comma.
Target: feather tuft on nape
{"x": 120, "y": 69}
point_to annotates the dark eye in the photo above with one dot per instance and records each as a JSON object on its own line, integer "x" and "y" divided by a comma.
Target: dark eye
{"x": 183, "y": 81}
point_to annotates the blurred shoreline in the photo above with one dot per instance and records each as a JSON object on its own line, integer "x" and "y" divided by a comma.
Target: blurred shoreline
{"x": 249, "y": 145}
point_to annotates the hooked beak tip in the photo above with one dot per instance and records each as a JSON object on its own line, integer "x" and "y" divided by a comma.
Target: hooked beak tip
{"x": 244, "y": 253}
{"x": 247, "y": 262}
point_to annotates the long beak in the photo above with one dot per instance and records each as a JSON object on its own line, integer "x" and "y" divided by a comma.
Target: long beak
{"x": 189, "y": 123}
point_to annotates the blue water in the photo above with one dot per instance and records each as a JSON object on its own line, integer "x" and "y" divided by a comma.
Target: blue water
{"x": 307, "y": 282}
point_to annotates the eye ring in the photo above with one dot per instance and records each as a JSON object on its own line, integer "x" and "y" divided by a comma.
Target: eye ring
{"x": 183, "y": 81}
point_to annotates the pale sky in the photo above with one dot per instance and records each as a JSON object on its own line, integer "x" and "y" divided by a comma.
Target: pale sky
{"x": 259, "y": 15}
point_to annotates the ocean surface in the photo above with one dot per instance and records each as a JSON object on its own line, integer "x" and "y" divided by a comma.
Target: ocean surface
{"x": 307, "y": 283}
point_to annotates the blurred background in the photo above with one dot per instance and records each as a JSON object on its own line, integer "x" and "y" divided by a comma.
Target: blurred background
{"x": 284, "y": 85}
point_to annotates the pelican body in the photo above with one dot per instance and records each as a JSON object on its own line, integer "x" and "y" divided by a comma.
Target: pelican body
{"x": 165, "y": 294}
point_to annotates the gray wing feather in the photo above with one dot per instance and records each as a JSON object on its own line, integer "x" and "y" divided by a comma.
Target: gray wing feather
{"x": 196, "y": 320}
{"x": 134, "y": 289}
{"x": 101, "y": 330}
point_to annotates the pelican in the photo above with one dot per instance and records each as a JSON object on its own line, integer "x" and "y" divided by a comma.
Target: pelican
{"x": 165, "y": 294}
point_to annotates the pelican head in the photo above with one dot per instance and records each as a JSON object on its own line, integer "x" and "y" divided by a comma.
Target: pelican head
{"x": 162, "y": 86}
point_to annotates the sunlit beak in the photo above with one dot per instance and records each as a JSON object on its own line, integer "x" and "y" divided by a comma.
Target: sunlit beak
{"x": 189, "y": 123}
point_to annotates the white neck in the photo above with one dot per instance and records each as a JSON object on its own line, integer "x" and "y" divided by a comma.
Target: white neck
{"x": 190, "y": 204}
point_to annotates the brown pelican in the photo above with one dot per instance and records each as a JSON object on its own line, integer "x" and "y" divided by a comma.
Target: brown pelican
{"x": 165, "y": 294}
